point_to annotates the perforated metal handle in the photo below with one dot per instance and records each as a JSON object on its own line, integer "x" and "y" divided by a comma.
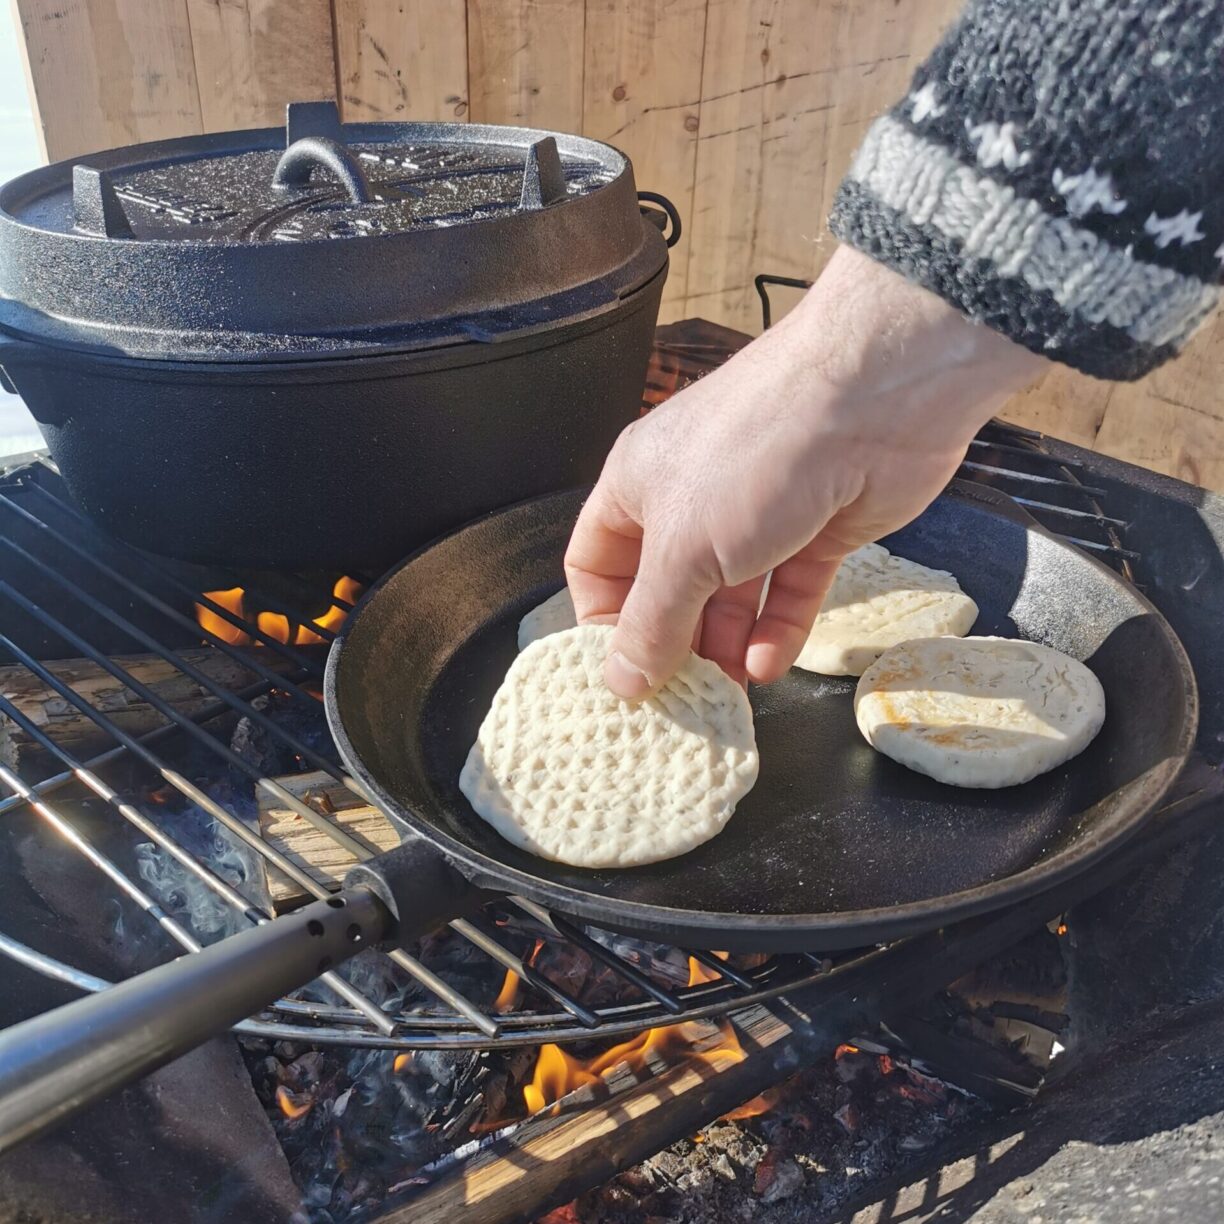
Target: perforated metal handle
{"x": 303, "y": 156}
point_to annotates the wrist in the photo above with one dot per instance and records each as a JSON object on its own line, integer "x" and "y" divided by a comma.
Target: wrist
{"x": 874, "y": 344}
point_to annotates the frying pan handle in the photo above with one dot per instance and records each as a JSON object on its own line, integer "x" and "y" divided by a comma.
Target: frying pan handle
{"x": 301, "y": 157}
{"x": 55, "y": 1064}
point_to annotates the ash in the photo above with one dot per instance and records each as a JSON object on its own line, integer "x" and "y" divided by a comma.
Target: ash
{"x": 830, "y": 1132}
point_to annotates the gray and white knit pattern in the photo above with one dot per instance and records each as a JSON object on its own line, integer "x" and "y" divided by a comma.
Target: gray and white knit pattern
{"x": 1056, "y": 172}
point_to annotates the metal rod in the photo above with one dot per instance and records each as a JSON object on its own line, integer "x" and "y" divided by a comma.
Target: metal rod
{"x": 209, "y": 878}
{"x": 272, "y": 604}
{"x": 55, "y": 1064}
{"x": 79, "y": 842}
{"x": 205, "y": 714}
{"x": 151, "y": 643}
{"x": 710, "y": 961}
{"x": 165, "y": 708}
{"x": 1029, "y": 452}
{"x": 504, "y": 957}
{"x": 1086, "y": 490}
{"x": 246, "y": 660}
{"x": 598, "y": 952}
{"x": 426, "y": 977}
{"x": 1093, "y": 515}
{"x": 151, "y": 564}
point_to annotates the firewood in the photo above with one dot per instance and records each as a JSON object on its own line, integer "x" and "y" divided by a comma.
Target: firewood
{"x": 310, "y": 848}
{"x": 75, "y": 733}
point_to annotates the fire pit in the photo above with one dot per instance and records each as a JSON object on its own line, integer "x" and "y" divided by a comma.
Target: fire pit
{"x": 167, "y": 734}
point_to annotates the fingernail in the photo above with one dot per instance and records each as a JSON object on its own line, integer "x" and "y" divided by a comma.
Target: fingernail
{"x": 626, "y": 681}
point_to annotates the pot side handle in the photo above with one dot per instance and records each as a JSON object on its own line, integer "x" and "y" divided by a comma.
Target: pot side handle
{"x": 668, "y": 221}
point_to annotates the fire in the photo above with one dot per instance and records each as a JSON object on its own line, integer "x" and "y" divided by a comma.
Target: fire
{"x": 401, "y": 1061}
{"x": 507, "y": 997}
{"x": 558, "y": 1073}
{"x": 292, "y": 1106}
{"x": 272, "y": 624}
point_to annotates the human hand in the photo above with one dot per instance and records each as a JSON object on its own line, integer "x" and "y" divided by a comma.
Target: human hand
{"x": 837, "y": 426}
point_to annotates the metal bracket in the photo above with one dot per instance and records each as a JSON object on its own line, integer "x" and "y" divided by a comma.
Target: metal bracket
{"x": 543, "y": 175}
{"x": 303, "y": 119}
{"x": 96, "y": 208}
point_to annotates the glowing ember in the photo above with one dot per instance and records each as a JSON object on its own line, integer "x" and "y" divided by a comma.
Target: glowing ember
{"x": 272, "y": 624}
{"x": 292, "y": 1106}
{"x": 558, "y": 1073}
{"x": 401, "y": 1061}
{"x": 1062, "y": 928}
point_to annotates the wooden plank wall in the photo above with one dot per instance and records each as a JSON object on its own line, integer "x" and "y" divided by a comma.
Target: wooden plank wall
{"x": 744, "y": 112}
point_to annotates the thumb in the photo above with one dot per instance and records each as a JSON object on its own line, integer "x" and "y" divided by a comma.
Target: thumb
{"x": 658, "y": 623}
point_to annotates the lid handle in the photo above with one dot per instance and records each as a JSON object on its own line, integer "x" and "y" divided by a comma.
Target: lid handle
{"x": 96, "y": 208}
{"x": 301, "y": 157}
{"x": 304, "y": 119}
{"x": 543, "y": 175}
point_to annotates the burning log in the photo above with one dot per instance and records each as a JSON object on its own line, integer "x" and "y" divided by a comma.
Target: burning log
{"x": 75, "y": 733}
{"x": 310, "y": 848}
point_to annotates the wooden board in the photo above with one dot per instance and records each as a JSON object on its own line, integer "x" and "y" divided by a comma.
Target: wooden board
{"x": 109, "y": 72}
{"x": 745, "y": 113}
{"x": 641, "y": 91}
{"x": 310, "y": 848}
{"x": 252, "y": 57}
{"x": 402, "y": 61}
{"x": 525, "y": 62}
{"x": 788, "y": 88}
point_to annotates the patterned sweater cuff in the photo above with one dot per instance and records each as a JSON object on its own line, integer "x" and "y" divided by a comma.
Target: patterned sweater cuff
{"x": 1043, "y": 280}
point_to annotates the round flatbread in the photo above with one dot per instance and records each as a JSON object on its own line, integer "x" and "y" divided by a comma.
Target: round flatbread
{"x": 566, "y": 770}
{"x": 552, "y": 616}
{"x": 981, "y": 711}
{"x": 876, "y": 601}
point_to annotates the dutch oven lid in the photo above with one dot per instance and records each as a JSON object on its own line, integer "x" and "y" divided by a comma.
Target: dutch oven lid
{"x": 321, "y": 240}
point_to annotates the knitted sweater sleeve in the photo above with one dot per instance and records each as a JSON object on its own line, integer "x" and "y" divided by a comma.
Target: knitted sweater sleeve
{"x": 1056, "y": 172}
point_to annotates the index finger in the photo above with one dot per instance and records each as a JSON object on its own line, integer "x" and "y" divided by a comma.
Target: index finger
{"x": 602, "y": 557}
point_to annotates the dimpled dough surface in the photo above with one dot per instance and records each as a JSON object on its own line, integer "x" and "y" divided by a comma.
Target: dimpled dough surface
{"x": 979, "y": 712}
{"x": 876, "y": 601}
{"x": 566, "y": 770}
{"x": 553, "y": 615}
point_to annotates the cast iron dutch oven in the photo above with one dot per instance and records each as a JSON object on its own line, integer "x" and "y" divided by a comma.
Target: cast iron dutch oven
{"x": 323, "y": 346}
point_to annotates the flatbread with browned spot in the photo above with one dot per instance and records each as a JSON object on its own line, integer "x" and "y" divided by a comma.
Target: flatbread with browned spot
{"x": 979, "y": 712}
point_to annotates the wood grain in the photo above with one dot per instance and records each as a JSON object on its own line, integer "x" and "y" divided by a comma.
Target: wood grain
{"x": 641, "y": 93}
{"x": 310, "y": 848}
{"x": 525, "y": 62}
{"x": 253, "y": 57}
{"x": 401, "y": 61}
{"x": 788, "y": 88}
{"x": 109, "y": 72}
{"x": 745, "y": 113}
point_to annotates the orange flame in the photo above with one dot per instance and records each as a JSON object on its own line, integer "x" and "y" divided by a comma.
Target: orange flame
{"x": 401, "y": 1061}
{"x": 558, "y": 1073}
{"x": 272, "y": 624}
{"x": 292, "y": 1106}
{"x": 507, "y": 997}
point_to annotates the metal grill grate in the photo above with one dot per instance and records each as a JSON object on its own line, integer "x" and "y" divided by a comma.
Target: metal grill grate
{"x": 46, "y": 538}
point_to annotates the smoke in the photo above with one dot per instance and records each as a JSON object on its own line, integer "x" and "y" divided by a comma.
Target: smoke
{"x": 183, "y": 894}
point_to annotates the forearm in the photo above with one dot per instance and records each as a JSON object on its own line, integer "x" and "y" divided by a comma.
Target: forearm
{"x": 1054, "y": 173}
{"x": 876, "y": 345}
